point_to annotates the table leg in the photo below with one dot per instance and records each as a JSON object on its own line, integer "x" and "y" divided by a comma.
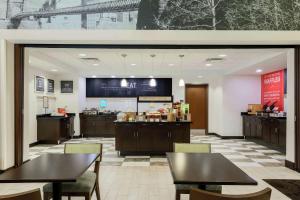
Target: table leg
{"x": 56, "y": 191}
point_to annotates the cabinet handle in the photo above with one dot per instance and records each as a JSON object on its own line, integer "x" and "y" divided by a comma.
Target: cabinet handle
{"x": 170, "y": 134}
{"x": 137, "y": 134}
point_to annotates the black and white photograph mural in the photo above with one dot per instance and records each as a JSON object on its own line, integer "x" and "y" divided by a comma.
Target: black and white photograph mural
{"x": 151, "y": 14}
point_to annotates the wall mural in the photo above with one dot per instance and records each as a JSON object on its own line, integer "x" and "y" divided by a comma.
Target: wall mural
{"x": 151, "y": 14}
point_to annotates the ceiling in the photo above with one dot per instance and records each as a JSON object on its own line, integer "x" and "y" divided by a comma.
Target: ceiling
{"x": 165, "y": 63}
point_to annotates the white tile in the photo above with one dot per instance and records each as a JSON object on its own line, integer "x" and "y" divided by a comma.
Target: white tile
{"x": 266, "y": 160}
{"x": 136, "y": 164}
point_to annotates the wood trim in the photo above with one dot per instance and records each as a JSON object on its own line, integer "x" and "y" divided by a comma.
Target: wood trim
{"x": 297, "y": 108}
{"x": 226, "y": 137}
{"x": 290, "y": 165}
{"x": 19, "y": 102}
{"x": 207, "y": 100}
{"x": 34, "y": 144}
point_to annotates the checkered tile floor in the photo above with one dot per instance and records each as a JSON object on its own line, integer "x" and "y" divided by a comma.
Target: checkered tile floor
{"x": 241, "y": 152}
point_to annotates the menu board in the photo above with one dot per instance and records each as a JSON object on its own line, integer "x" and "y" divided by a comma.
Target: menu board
{"x": 50, "y": 86}
{"x": 111, "y": 87}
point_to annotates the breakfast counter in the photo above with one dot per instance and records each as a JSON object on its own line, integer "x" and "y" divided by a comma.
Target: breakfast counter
{"x": 150, "y": 138}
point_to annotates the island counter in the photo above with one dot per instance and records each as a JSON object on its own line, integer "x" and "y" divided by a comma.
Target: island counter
{"x": 150, "y": 138}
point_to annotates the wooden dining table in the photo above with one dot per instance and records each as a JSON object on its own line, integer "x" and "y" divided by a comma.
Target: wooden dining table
{"x": 51, "y": 168}
{"x": 206, "y": 169}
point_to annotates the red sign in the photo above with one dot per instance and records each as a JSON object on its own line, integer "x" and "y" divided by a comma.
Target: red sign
{"x": 272, "y": 89}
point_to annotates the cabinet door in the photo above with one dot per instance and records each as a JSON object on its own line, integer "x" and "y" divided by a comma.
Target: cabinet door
{"x": 180, "y": 133}
{"x": 259, "y": 128}
{"x": 126, "y": 137}
{"x": 89, "y": 128}
{"x": 146, "y": 137}
{"x": 246, "y": 126}
{"x": 266, "y": 130}
{"x": 253, "y": 126}
{"x": 282, "y": 133}
{"x": 274, "y": 131}
{"x": 163, "y": 137}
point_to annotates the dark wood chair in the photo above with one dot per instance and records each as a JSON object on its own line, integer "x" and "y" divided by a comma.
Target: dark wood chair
{"x": 88, "y": 182}
{"x": 197, "y": 194}
{"x": 29, "y": 195}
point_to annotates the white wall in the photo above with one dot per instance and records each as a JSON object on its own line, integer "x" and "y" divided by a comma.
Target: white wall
{"x": 290, "y": 136}
{"x": 238, "y": 92}
{"x": 33, "y": 103}
{"x": 6, "y": 104}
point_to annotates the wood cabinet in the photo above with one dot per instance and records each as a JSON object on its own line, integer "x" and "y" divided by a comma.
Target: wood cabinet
{"x": 54, "y": 129}
{"x": 97, "y": 125}
{"x": 270, "y": 130}
{"x": 150, "y": 138}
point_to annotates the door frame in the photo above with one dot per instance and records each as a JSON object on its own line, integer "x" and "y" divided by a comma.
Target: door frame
{"x": 207, "y": 100}
{"x": 19, "y": 84}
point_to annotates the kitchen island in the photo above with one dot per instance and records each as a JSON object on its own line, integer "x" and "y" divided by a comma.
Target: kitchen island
{"x": 150, "y": 138}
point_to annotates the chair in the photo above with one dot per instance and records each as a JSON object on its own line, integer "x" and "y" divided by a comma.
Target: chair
{"x": 193, "y": 148}
{"x": 29, "y": 195}
{"x": 197, "y": 194}
{"x": 88, "y": 182}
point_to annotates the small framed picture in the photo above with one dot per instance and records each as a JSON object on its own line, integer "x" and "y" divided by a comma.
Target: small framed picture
{"x": 39, "y": 84}
{"x": 66, "y": 86}
{"x": 50, "y": 86}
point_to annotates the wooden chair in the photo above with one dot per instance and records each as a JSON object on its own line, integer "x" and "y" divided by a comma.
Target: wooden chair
{"x": 29, "y": 195}
{"x": 88, "y": 182}
{"x": 197, "y": 194}
{"x": 193, "y": 148}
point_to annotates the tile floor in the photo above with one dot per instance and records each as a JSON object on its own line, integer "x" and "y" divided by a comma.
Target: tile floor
{"x": 149, "y": 178}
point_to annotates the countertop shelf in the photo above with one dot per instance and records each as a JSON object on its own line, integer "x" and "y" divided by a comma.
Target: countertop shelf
{"x": 139, "y": 122}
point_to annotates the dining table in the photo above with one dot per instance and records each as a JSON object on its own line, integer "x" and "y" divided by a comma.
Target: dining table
{"x": 51, "y": 168}
{"x": 204, "y": 169}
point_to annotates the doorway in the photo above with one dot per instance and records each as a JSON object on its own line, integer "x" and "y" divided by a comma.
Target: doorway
{"x": 197, "y": 97}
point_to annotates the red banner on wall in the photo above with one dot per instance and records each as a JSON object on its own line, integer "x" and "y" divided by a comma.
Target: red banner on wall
{"x": 272, "y": 89}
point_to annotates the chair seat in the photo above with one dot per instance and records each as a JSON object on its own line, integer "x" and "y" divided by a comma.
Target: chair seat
{"x": 210, "y": 188}
{"x": 84, "y": 184}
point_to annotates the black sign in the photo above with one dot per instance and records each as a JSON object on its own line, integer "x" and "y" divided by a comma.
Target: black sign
{"x": 39, "y": 84}
{"x": 111, "y": 87}
{"x": 66, "y": 86}
{"x": 50, "y": 85}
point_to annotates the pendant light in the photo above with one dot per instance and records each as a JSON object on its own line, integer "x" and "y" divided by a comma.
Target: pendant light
{"x": 152, "y": 82}
{"x": 181, "y": 81}
{"x": 124, "y": 82}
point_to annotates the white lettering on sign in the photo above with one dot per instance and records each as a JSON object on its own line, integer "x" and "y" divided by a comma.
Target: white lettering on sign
{"x": 132, "y": 85}
{"x": 272, "y": 80}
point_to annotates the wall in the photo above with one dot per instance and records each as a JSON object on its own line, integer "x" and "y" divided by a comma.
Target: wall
{"x": 238, "y": 92}
{"x": 33, "y": 103}
{"x": 6, "y": 104}
{"x": 290, "y": 130}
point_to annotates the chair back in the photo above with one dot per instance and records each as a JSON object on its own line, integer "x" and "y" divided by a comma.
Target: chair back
{"x": 86, "y": 148}
{"x": 29, "y": 195}
{"x": 197, "y": 194}
{"x": 192, "y": 148}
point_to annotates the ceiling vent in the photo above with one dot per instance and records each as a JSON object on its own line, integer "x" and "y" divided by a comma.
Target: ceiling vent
{"x": 214, "y": 60}
{"x": 91, "y": 59}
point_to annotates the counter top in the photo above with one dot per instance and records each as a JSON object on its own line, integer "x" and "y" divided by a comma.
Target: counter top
{"x": 266, "y": 117}
{"x": 49, "y": 116}
{"x": 136, "y": 122}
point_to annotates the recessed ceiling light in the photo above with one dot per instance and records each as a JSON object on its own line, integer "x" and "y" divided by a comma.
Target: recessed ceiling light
{"x": 94, "y": 76}
{"x": 222, "y": 55}
{"x": 259, "y": 71}
{"x": 151, "y": 76}
{"x": 171, "y": 64}
{"x": 200, "y": 76}
{"x": 96, "y": 64}
{"x": 208, "y": 64}
{"x": 133, "y": 64}
{"x": 54, "y": 70}
{"x": 113, "y": 76}
{"x": 131, "y": 76}
{"x": 82, "y": 54}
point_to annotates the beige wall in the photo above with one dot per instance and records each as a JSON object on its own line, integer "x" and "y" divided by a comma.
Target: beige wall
{"x": 6, "y": 104}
